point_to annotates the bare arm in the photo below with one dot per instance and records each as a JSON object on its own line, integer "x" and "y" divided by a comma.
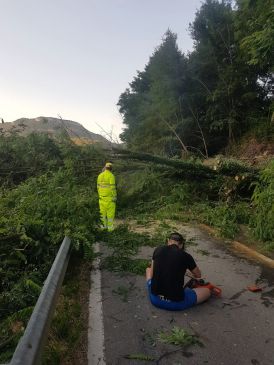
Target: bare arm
{"x": 196, "y": 272}
{"x": 149, "y": 271}
{"x": 151, "y": 268}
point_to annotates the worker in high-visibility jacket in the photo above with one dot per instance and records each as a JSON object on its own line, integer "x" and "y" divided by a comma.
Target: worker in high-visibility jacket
{"x": 107, "y": 196}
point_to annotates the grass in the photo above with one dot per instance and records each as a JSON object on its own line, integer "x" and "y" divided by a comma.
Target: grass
{"x": 179, "y": 337}
{"x": 12, "y": 328}
{"x": 69, "y": 320}
{"x": 66, "y": 326}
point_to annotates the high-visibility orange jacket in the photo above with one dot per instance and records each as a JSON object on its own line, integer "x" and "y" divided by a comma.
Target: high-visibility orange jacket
{"x": 106, "y": 186}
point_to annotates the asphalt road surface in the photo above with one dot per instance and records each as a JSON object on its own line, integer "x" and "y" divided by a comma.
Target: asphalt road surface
{"x": 237, "y": 328}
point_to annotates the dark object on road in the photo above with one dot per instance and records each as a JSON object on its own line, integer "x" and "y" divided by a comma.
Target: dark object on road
{"x": 200, "y": 283}
{"x": 254, "y": 288}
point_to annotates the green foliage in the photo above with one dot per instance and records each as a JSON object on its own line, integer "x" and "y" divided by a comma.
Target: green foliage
{"x": 59, "y": 199}
{"x": 11, "y": 330}
{"x": 124, "y": 241}
{"x": 170, "y": 211}
{"x": 166, "y": 188}
{"x": 263, "y": 128}
{"x": 226, "y": 217}
{"x": 179, "y": 337}
{"x": 206, "y": 100}
{"x": 23, "y": 157}
{"x": 232, "y": 167}
{"x": 59, "y": 206}
{"x": 216, "y": 202}
{"x": 182, "y": 193}
{"x": 161, "y": 233}
{"x": 221, "y": 216}
{"x": 150, "y": 106}
{"x": 68, "y": 321}
{"x": 147, "y": 182}
{"x": 263, "y": 200}
{"x": 36, "y": 154}
{"x": 35, "y": 217}
{"x": 120, "y": 263}
{"x": 257, "y": 32}
{"x": 223, "y": 202}
{"x": 189, "y": 169}
{"x": 238, "y": 180}
{"x": 124, "y": 245}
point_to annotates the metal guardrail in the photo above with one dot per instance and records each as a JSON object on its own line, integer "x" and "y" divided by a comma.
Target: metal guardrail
{"x": 30, "y": 347}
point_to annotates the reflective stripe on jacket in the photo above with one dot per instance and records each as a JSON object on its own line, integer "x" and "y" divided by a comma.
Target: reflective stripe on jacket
{"x": 106, "y": 185}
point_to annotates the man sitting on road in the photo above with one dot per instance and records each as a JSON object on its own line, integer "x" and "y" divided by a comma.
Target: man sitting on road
{"x": 165, "y": 277}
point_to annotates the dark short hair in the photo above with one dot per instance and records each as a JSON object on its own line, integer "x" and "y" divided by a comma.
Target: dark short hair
{"x": 176, "y": 236}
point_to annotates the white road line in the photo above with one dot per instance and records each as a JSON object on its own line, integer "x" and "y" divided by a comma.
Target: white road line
{"x": 96, "y": 324}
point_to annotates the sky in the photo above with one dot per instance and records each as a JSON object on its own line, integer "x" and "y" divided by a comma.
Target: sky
{"x": 74, "y": 58}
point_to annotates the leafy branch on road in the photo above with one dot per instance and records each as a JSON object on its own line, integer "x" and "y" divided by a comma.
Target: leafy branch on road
{"x": 179, "y": 337}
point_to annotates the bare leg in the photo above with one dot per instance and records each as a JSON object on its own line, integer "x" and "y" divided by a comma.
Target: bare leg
{"x": 202, "y": 294}
{"x": 148, "y": 273}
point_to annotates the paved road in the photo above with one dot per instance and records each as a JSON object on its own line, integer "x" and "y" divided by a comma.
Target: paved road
{"x": 235, "y": 329}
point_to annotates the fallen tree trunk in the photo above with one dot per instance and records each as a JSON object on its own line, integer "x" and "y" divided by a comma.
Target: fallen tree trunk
{"x": 192, "y": 170}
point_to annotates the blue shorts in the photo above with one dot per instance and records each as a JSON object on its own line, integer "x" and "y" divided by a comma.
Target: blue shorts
{"x": 190, "y": 299}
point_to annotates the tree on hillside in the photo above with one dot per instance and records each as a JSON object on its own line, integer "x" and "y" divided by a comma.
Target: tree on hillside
{"x": 257, "y": 31}
{"x": 167, "y": 70}
{"x": 132, "y": 104}
{"x": 256, "y": 37}
{"x": 224, "y": 89}
{"x": 213, "y": 67}
{"x": 208, "y": 99}
{"x": 150, "y": 107}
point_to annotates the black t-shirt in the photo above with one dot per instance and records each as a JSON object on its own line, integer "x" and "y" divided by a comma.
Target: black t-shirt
{"x": 169, "y": 267}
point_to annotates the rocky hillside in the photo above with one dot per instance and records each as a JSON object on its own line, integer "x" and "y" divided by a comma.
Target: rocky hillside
{"x": 53, "y": 127}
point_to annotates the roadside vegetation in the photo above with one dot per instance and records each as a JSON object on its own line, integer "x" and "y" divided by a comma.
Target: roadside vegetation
{"x": 36, "y": 212}
{"x": 67, "y": 341}
{"x": 235, "y": 199}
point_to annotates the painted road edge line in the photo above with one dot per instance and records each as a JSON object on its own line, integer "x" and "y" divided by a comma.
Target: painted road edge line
{"x": 96, "y": 341}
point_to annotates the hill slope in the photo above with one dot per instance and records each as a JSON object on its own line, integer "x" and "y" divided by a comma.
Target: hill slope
{"x": 53, "y": 127}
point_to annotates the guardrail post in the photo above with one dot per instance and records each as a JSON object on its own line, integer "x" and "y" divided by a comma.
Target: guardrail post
{"x": 30, "y": 346}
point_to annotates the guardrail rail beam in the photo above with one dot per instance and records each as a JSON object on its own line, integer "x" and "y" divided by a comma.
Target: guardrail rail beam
{"x": 30, "y": 347}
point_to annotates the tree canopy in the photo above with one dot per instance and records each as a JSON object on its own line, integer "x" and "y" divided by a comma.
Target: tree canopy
{"x": 207, "y": 99}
